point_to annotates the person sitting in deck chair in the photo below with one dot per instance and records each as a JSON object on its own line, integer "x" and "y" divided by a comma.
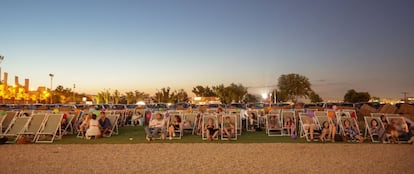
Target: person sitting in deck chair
{"x": 272, "y": 122}
{"x": 175, "y": 125}
{"x": 85, "y": 123}
{"x": 93, "y": 128}
{"x": 352, "y": 132}
{"x": 309, "y": 125}
{"x": 155, "y": 127}
{"x": 290, "y": 125}
{"x": 229, "y": 127}
{"x": 211, "y": 130}
{"x": 252, "y": 120}
{"x": 377, "y": 129}
{"x": 105, "y": 124}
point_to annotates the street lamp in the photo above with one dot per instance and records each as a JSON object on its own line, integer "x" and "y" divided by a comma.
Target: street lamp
{"x": 2, "y": 96}
{"x": 51, "y": 87}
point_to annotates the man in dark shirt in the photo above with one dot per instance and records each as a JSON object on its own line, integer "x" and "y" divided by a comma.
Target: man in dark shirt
{"x": 105, "y": 124}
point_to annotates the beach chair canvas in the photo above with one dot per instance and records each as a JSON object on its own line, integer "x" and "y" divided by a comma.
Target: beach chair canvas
{"x": 114, "y": 122}
{"x": 33, "y": 128}
{"x": 273, "y": 125}
{"x": 7, "y": 119}
{"x": 234, "y": 120}
{"x": 51, "y": 130}
{"x": 285, "y": 115}
{"x": 205, "y": 122}
{"x": 16, "y": 127}
{"x": 178, "y": 132}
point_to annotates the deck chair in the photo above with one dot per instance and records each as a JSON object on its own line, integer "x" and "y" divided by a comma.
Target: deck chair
{"x": 304, "y": 127}
{"x": 234, "y": 120}
{"x": 51, "y": 129}
{"x": 114, "y": 122}
{"x": 274, "y": 125}
{"x": 285, "y": 115}
{"x": 189, "y": 120}
{"x": 353, "y": 122}
{"x": 34, "y": 126}
{"x": 16, "y": 127}
{"x": 320, "y": 113}
{"x": 205, "y": 122}
{"x": 319, "y": 126}
{"x": 163, "y": 131}
{"x": 402, "y": 124}
{"x": 252, "y": 123}
{"x": 69, "y": 129}
{"x": 374, "y": 136}
{"x": 7, "y": 119}
{"x": 177, "y": 132}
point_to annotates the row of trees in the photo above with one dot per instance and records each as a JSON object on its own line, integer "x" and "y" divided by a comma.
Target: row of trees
{"x": 291, "y": 87}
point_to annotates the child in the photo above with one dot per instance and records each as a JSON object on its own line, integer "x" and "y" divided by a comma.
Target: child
{"x": 272, "y": 122}
{"x": 229, "y": 127}
{"x": 290, "y": 126}
{"x": 251, "y": 121}
{"x": 351, "y": 132}
{"x": 376, "y": 129}
{"x": 325, "y": 131}
{"x": 211, "y": 130}
{"x": 175, "y": 125}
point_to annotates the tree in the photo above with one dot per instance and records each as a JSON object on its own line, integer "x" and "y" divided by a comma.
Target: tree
{"x": 230, "y": 93}
{"x": 201, "y": 91}
{"x": 117, "y": 96}
{"x": 179, "y": 96}
{"x": 250, "y": 98}
{"x": 295, "y": 86}
{"x": 314, "y": 97}
{"x": 130, "y": 97}
{"x": 140, "y": 96}
{"x": 356, "y": 97}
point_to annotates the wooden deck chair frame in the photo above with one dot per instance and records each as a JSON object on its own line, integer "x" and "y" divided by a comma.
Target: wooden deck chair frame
{"x": 16, "y": 127}
{"x": 367, "y": 120}
{"x": 278, "y": 131}
{"x": 234, "y": 119}
{"x": 178, "y": 132}
{"x": 33, "y": 128}
{"x": 285, "y": 115}
{"x": 204, "y": 123}
{"x": 52, "y": 127}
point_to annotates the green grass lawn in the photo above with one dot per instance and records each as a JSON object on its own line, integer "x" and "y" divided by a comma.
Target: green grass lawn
{"x": 138, "y": 135}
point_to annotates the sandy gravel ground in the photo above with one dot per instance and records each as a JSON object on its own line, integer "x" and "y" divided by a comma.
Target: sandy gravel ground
{"x": 207, "y": 158}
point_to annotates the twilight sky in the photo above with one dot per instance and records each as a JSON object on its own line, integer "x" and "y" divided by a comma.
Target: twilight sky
{"x": 146, "y": 45}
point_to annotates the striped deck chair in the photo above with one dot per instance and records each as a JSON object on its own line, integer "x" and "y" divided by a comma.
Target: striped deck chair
{"x": 34, "y": 126}
{"x": 178, "y": 133}
{"x": 7, "y": 119}
{"x": 274, "y": 125}
{"x": 51, "y": 130}
{"x": 286, "y": 129}
{"x": 114, "y": 122}
{"x": 206, "y": 130}
{"x": 225, "y": 125}
{"x": 368, "y": 129}
{"x": 18, "y": 125}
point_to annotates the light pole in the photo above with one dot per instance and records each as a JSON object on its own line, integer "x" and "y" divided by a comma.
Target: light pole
{"x": 74, "y": 99}
{"x": 51, "y": 87}
{"x": 4, "y": 89}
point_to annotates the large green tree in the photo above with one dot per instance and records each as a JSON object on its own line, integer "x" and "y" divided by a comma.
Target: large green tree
{"x": 294, "y": 86}
{"x": 233, "y": 92}
{"x": 355, "y": 97}
{"x": 314, "y": 97}
{"x": 201, "y": 91}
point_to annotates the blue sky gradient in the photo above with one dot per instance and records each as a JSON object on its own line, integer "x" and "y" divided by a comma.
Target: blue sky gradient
{"x": 147, "y": 45}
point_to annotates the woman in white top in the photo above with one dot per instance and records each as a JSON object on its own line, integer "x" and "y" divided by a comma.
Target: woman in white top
{"x": 93, "y": 129}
